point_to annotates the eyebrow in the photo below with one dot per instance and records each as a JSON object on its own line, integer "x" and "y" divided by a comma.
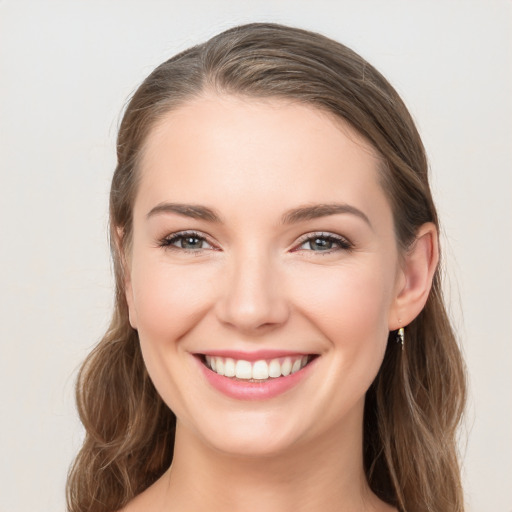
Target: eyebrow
{"x": 293, "y": 216}
{"x": 315, "y": 211}
{"x": 193, "y": 211}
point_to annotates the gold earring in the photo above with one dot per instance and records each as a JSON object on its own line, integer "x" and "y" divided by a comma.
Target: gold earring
{"x": 400, "y": 336}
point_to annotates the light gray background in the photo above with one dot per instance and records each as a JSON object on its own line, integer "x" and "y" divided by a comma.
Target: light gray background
{"x": 66, "y": 70}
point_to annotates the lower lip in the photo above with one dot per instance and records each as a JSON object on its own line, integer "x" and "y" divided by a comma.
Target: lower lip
{"x": 264, "y": 390}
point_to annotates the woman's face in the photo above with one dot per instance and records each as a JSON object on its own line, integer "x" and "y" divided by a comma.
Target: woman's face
{"x": 263, "y": 241}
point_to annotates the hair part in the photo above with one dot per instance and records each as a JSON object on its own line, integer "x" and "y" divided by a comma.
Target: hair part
{"x": 415, "y": 404}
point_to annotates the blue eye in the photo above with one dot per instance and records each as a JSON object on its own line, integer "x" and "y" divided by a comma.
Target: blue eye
{"x": 187, "y": 241}
{"x": 191, "y": 241}
{"x": 324, "y": 242}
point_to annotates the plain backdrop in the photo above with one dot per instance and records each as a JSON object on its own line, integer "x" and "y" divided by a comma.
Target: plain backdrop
{"x": 66, "y": 70}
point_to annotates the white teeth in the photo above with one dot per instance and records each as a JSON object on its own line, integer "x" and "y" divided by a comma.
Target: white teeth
{"x": 286, "y": 367}
{"x": 219, "y": 365}
{"x": 259, "y": 370}
{"x": 229, "y": 367}
{"x": 296, "y": 365}
{"x": 274, "y": 368}
{"x": 243, "y": 370}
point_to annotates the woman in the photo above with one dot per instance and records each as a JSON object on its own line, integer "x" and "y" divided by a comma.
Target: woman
{"x": 279, "y": 339}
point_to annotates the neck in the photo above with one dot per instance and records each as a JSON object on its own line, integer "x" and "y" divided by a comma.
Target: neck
{"x": 326, "y": 476}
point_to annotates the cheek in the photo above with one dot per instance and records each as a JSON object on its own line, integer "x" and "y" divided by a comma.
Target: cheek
{"x": 168, "y": 299}
{"x": 349, "y": 307}
{"x": 169, "y": 302}
{"x": 347, "y": 302}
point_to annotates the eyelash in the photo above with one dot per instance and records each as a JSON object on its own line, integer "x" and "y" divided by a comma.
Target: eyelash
{"x": 343, "y": 243}
{"x": 168, "y": 241}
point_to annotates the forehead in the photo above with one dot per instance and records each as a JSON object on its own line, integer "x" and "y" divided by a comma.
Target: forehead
{"x": 257, "y": 152}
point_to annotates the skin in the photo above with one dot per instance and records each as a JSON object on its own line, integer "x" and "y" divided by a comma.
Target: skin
{"x": 256, "y": 284}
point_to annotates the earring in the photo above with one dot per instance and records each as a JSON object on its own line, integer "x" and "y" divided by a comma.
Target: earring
{"x": 400, "y": 336}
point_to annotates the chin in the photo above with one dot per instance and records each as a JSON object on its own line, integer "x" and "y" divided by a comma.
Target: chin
{"x": 251, "y": 446}
{"x": 250, "y": 435}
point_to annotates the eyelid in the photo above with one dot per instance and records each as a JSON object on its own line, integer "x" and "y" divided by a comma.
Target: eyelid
{"x": 167, "y": 241}
{"x": 344, "y": 242}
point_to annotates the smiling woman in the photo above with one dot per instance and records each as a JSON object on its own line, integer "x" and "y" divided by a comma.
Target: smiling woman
{"x": 273, "y": 234}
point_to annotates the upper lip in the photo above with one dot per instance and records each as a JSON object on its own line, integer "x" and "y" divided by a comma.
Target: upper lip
{"x": 255, "y": 355}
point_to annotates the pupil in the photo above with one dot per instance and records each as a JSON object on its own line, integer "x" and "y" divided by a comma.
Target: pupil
{"x": 191, "y": 241}
{"x": 321, "y": 243}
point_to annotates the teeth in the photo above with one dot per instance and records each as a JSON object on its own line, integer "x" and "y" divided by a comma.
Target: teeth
{"x": 296, "y": 365}
{"x": 274, "y": 369}
{"x": 229, "y": 367}
{"x": 286, "y": 367}
{"x": 243, "y": 370}
{"x": 259, "y": 370}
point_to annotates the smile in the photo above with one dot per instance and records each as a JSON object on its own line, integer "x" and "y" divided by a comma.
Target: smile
{"x": 256, "y": 370}
{"x": 255, "y": 376}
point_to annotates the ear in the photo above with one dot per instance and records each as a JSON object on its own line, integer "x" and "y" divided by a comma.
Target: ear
{"x": 415, "y": 279}
{"x": 126, "y": 276}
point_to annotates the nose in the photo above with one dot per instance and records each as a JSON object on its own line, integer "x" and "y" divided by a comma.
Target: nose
{"x": 253, "y": 297}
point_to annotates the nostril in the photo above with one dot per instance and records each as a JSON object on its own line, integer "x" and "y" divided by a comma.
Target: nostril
{"x": 252, "y": 306}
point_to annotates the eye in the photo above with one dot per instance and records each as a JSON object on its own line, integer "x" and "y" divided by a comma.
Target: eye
{"x": 189, "y": 241}
{"x": 324, "y": 242}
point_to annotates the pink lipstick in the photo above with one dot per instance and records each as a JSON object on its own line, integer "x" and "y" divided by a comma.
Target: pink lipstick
{"x": 259, "y": 375}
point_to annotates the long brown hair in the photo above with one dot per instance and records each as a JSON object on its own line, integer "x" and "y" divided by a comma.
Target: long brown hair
{"x": 413, "y": 407}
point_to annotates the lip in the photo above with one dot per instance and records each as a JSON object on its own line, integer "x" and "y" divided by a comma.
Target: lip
{"x": 243, "y": 390}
